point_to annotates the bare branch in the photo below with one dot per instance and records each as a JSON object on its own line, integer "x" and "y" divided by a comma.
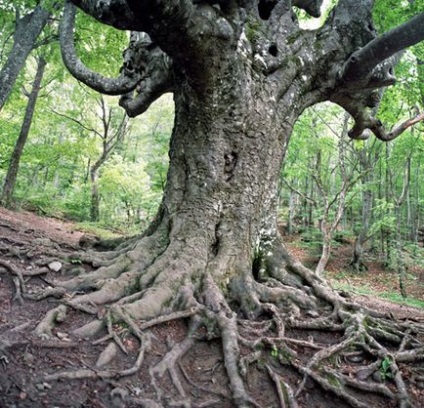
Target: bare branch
{"x": 378, "y": 129}
{"x": 109, "y": 86}
{"x": 299, "y": 193}
{"x": 79, "y": 123}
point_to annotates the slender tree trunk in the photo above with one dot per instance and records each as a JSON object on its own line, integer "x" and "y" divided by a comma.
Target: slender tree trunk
{"x": 400, "y": 262}
{"x": 10, "y": 181}
{"x": 387, "y": 232}
{"x": 328, "y": 226}
{"x": 305, "y": 205}
{"x": 291, "y": 211}
{"x": 27, "y": 31}
{"x": 366, "y": 211}
{"x": 95, "y": 196}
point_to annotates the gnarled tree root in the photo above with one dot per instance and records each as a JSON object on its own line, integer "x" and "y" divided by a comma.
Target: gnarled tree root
{"x": 258, "y": 318}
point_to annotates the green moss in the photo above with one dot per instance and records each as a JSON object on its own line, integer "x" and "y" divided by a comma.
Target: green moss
{"x": 334, "y": 381}
{"x": 253, "y": 30}
{"x": 281, "y": 354}
{"x": 291, "y": 39}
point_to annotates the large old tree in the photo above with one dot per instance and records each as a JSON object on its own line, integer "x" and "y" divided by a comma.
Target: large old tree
{"x": 242, "y": 72}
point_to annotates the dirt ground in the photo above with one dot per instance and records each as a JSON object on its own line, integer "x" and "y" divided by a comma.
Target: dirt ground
{"x": 25, "y": 358}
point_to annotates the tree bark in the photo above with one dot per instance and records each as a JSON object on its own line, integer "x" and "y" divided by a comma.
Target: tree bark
{"x": 242, "y": 72}
{"x": 12, "y": 172}
{"x": 27, "y": 31}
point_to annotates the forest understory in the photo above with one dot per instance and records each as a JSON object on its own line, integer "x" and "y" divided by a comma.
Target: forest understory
{"x": 177, "y": 360}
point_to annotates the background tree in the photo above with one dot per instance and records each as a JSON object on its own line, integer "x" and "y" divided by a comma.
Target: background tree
{"x": 10, "y": 180}
{"x": 241, "y": 72}
{"x": 113, "y": 131}
{"x": 26, "y": 38}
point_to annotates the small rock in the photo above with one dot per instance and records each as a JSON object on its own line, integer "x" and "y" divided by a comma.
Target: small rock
{"x": 40, "y": 387}
{"x": 356, "y": 358}
{"x": 62, "y": 335}
{"x": 108, "y": 354}
{"x": 55, "y": 266}
{"x": 28, "y": 358}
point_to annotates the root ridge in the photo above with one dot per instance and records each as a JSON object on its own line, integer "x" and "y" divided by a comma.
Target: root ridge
{"x": 266, "y": 325}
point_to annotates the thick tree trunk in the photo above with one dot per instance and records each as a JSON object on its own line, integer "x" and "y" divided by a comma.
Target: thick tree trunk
{"x": 12, "y": 172}
{"x": 240, "y": 77}
{"x": 220, "y": 201}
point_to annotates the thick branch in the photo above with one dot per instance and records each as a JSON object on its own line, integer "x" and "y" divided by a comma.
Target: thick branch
{"x": 115, "y": 13}
{"x": 157, "y": 77}
{"x": 109, "y": 86}
{"x": 362, "y": 62}
{"x": 176, "y": 33}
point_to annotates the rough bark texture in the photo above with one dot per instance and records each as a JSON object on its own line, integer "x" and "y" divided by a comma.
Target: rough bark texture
{"x": 241, "y": 72}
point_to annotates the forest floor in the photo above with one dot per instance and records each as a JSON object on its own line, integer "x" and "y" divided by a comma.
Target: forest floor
{"x": 25, "y": 238}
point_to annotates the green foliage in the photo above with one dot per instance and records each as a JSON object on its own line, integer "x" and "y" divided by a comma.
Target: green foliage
{"x": 390, "y": 13}
{"x": 127, "y": 197}
{"x": 99, "y": 46}
{"x": 280, "y": 354}
{"x": 386, "y": 368}
{"x": 253, "y": 30}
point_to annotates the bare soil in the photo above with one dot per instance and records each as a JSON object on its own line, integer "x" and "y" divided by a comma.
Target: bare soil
{"x": 25, "y": 239}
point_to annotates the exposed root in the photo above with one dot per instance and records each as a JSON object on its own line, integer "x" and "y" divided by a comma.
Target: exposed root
{"x": 104, "y": 374}
{"x": 168, "y": 363}
{"x": 284, "y": 391}
{"x": 18, "y": 280}
{"x": 267, "y": 318}
{"x": 45, "y": 327}
{"x": 107, "y": 355}
{"x": 221, "y": 395}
